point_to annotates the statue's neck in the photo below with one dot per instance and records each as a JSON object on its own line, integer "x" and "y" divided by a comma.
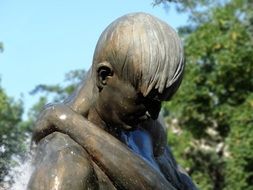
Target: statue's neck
{"x": 94, "y": 117}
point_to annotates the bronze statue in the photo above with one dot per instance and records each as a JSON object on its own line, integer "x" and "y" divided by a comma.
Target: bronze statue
{"x": 106, "y": 135}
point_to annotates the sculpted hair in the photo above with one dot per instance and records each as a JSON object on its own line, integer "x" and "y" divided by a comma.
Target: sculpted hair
{"x": 143, "y": 50}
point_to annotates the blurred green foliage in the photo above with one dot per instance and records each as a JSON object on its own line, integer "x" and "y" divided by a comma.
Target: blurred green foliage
{"x": 12, "y": 133}
{"x": 210, "y": 118}
{"x": 1, "y": 47}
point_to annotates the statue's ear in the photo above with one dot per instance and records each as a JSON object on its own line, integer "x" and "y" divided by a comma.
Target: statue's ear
{"x": 104, "y": 72}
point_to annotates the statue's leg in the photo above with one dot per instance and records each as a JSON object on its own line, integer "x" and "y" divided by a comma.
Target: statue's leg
{"x": 62, "y": 164}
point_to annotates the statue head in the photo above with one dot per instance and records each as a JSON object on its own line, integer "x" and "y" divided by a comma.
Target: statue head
{"x": 138, "y": 62}
{"x": 145, "y": 51}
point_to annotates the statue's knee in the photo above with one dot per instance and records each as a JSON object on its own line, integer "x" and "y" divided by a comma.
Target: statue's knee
{"x": 62, "y": 161}
{"x": 75, "y": 159}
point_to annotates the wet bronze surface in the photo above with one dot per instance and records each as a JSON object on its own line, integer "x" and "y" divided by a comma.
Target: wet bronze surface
{"x": 107, "y": 135}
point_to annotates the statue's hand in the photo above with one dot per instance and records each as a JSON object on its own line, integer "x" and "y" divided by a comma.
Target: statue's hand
{"x": 48, "y": 120}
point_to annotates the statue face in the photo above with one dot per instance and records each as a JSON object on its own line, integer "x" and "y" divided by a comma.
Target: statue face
{"x": 121, "y": 105}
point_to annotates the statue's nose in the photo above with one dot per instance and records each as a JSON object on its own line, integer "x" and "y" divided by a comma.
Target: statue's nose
{"x": 151, "y": 105}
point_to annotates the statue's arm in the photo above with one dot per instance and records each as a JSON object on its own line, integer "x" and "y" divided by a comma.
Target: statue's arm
{"x": 165, "y": 159}
{"x": 124, "y": 168}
